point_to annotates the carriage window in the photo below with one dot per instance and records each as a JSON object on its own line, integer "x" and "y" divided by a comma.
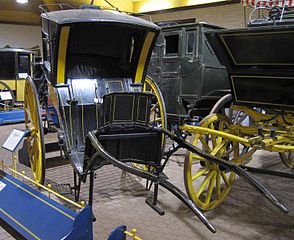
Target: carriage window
{"x": 190, "y": 42}
{"x": 46, "y": 49}
{"x": 23, "y": 65}
{"x": 7, "y": 65}
{"x": 171, "y": 44}
{"x": 114, "y": 86}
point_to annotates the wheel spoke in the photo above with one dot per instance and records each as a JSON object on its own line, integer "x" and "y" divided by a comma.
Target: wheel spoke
{"x": 224, "y": 177}
{"x": 204, "y": 183}
{"x": 197, "y": 157}
{"x": 199, "y": 173}
{"x": 210, "y": 189}
{"x": 204, "y": 143}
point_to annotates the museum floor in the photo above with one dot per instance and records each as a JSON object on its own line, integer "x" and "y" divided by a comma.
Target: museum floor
{"x": 120, "y": 199}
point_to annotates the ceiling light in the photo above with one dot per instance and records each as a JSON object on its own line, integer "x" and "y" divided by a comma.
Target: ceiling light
{"x": 22, "y": 1}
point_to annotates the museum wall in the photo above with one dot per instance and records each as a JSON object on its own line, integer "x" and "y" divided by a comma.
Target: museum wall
{"x": 229, "y": 15}
{"x": 20, "y": 35}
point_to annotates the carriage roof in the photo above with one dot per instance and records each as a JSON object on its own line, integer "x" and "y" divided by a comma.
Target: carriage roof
{"x": 95, "y": 15}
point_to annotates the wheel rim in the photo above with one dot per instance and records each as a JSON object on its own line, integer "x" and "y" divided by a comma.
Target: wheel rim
{"x": 157, "y": 114}
{"x": 6, "y": 104}
{"x": 208, "y": 184}
{"x": 33, "y": 123}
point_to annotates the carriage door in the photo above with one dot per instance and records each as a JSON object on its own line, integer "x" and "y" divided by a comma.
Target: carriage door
{"x": 170, "y": 69}
{"x": 190, "y": 67}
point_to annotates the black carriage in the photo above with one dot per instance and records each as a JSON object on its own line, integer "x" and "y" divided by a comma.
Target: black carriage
{"x": 95, "y": 65}
{"x": 187, "y": 71}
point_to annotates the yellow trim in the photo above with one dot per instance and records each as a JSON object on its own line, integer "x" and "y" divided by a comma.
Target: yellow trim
{"x": 63, "y": 40}
{"x": 146, "y": 109}
{"x": 143, "y": 56}
{"x": 40, "y": 199}
{"x": 19, "y": 224}
{"x": 250, "y": 34}
{"x": 252, "y": 76}
{"x": 31, "y": 65}
{"x": 10, "y": 82}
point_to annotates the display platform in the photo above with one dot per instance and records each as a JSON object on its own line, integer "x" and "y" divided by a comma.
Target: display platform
{"x": 33, "y": 215}
{"x": 13, "y": 116}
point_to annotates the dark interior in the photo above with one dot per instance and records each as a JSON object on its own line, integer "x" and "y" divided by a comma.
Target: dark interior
{"x": 104, "y": 50}
{"x": 7, "y": 65}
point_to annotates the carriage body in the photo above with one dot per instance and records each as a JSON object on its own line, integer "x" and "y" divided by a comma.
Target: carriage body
{"x": 260, "y": 64}
{"x": 15, "y": 65}
{"x": 89, "y": 53}
{"x": 187, "y": 71}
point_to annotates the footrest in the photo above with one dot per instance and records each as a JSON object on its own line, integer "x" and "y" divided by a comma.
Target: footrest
{"x": 35, "y": 216}
{"x": 62, "y": 189}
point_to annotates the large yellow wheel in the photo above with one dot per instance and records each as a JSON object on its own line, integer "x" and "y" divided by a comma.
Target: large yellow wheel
{"x": 207, "y": 183}
{"x": 33, "y": 123}
{"x": 158, "y": 113}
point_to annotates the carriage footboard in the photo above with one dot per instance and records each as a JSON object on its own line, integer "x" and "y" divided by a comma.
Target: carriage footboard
{"x": 101, "y": 152}
{"x": 227, "y": 165}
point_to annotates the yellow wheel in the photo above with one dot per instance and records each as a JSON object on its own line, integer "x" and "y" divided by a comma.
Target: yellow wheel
{"x": 207, "y": 183}
{"x": 33, "y": 123}
{"x": 157, "y": 114}
{"x": 288, "y": 159}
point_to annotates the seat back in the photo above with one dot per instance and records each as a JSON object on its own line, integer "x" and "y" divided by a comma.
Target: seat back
{"x": 125, "y": 131}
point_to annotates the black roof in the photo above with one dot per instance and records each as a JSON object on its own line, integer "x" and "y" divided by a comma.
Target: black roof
{"x": 189, "y": 25}
{"x": 95, "y": 15}
{"x": 16, "y": 50}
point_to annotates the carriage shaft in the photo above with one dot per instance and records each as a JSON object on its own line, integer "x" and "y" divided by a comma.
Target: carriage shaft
{"x": 231, "y": 166}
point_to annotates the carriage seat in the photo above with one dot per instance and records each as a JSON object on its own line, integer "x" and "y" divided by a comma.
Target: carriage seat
{"x": 125, "y": 131}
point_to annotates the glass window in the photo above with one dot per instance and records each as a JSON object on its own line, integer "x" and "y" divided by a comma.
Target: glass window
{"x": 190, "y": 42}
{"x": 171, "y": 44}
{"x": 24, "y": 63}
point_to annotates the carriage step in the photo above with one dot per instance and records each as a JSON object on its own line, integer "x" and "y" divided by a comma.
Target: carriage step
{"x": 62, "y": 188}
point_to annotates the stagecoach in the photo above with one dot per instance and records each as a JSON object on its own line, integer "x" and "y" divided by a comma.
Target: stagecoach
{"x": 187, "y": 71}
{"x": 15, "y": 65}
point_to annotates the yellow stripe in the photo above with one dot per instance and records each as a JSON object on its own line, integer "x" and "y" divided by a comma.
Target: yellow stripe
{"x": 19, "y": 224}
{"x": 143, "y": 56}
{"x": 63, "y": 39}
{"x": 31, "y": 65}
{"x": 40, "y": 199}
